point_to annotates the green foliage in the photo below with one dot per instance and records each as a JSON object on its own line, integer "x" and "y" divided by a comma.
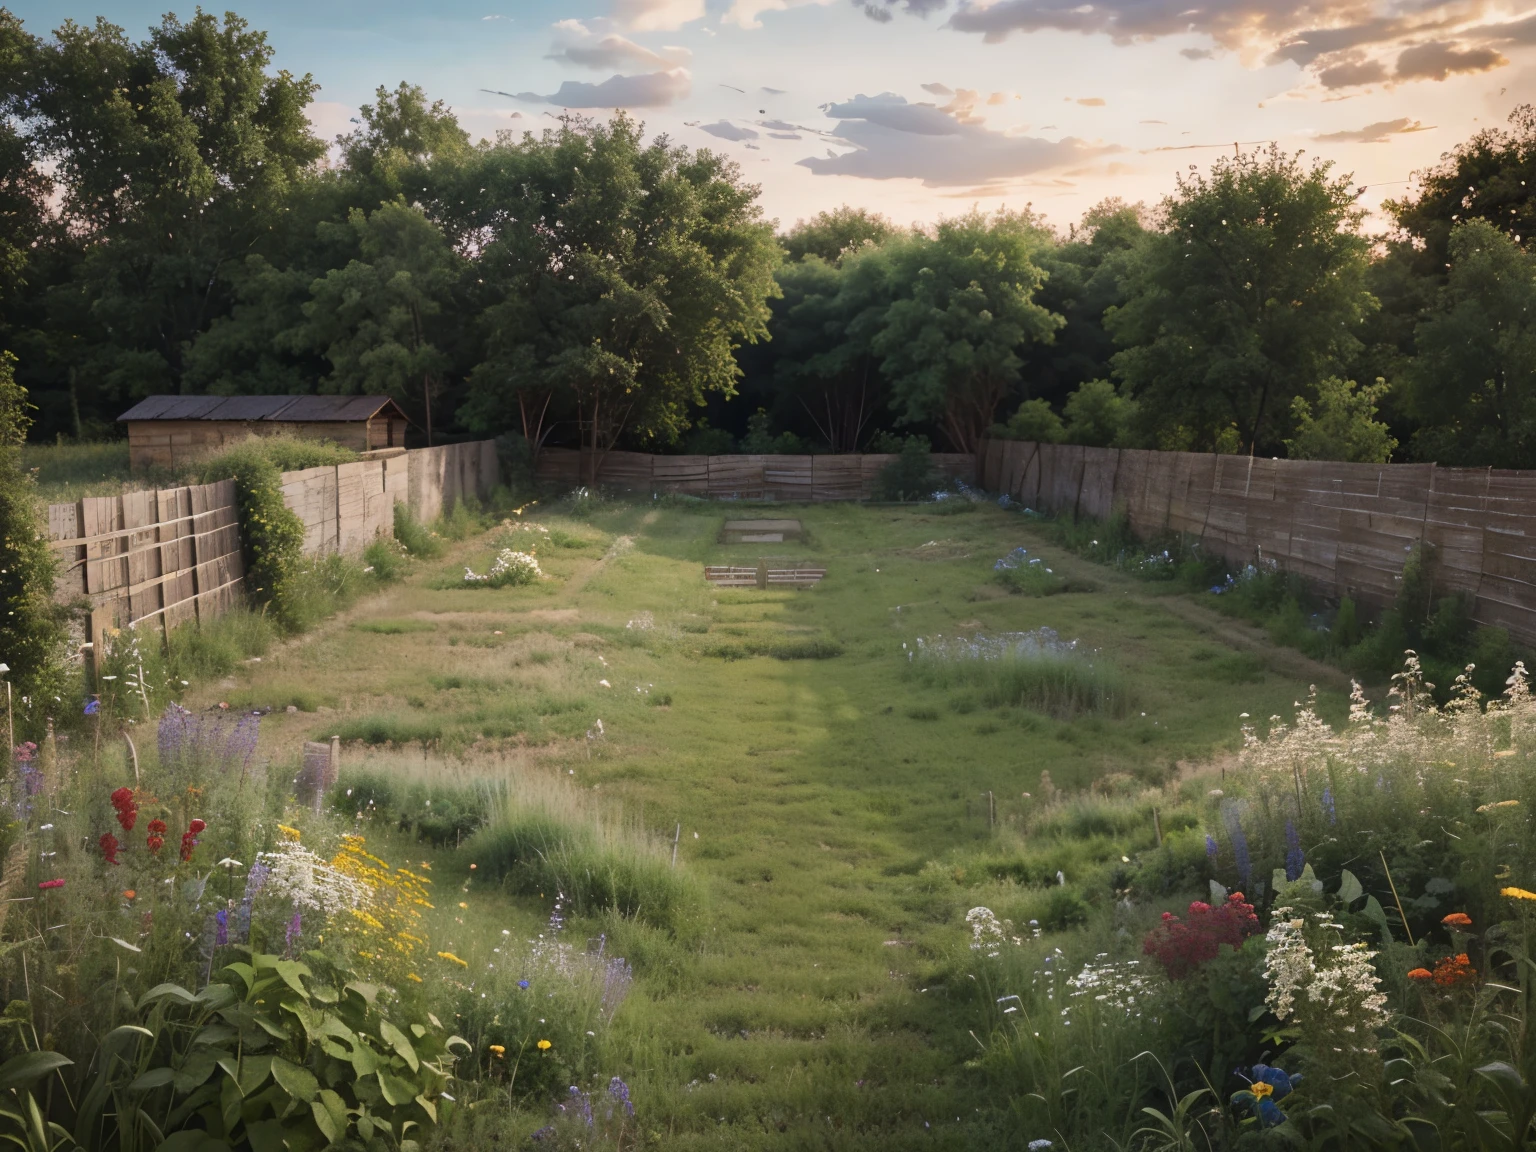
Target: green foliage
{"x": 413, "y": 536}
{"x": 385, "y": 559}
{"x": 1343, "y": 426}
{"x": 277, "y": 1051}
{"x": 1034, "y": 421}
{"x": 1098, "y": 416}
{"x": 834, "y": 235}
{"x": 1061, "y": 685}
{"x": 1472, "y": 385}
{"x": 271, "y": 532}
{"x": 912, "y": 475}
{"x": 760, "y": 439}
{"x": 1249, "y": 294}
{"x": 32, "y": 634}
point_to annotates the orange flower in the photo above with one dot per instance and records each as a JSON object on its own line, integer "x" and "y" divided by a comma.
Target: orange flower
{"x": 1457, "y": 920}
{"x": 1455, "y": 970}
{"x": 1421, "y": 974}
{"x": 129, "y": 893}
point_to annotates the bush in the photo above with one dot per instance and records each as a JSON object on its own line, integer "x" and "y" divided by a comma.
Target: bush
{"x": 912, "y": 475}
{"x": 413, "y": 537}
{"x": 1034, "y": 421}
{"x": 385, "y": 560}
{"x": 32, "y": 633}
{"x": 272, "y": 533}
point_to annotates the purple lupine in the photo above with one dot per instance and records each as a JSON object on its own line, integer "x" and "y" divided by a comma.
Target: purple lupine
{"x": 221, "y": 919}
{"x": 617, "y": 978}
{"x": 581, "y": 1104}
{"x": 256, "y": 879}
{"x": 1328, "y": 806}
{"x": 1233, "y": 820}
{"x": 1295, "y": 858}
{"x": 1210, "y": 848}
{"x": 295, "y": 927}
{"x": 618, "y": 1093}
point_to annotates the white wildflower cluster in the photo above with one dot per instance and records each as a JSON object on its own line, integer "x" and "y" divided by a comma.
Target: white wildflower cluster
{"x": 1119, "y": 984}
{"x": 989, "y": 935}
{"x": 307, "y": 882}
{"x": 1333, "y": 985}
{"x": 525, "y": 526}
{"x": 509, "y": 567}
{"x": 642, "y": 623}
{"x": 1004, "y": 645}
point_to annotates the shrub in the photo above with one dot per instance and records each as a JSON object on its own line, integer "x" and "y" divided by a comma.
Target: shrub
{"x": 912, "y": 475}
{"x": 1182, "y": 946}
{"x": 32, "y": 635}
{"x": 410, "y": 533}
{"x": 509, "y": 569}
{"x": 385, "y": 560}
{"x": 272, "y": 533}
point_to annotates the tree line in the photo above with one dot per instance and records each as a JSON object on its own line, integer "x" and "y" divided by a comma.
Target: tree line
{"x": 170, "y": 223}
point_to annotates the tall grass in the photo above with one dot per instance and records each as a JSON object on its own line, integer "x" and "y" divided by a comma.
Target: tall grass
{"x": 531, "y": 831}
{"x": 1014, "y": 672}
{"x": 67, "y": 472}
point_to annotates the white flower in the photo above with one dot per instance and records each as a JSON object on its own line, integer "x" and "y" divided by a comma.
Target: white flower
{"x": 307, "y": 881}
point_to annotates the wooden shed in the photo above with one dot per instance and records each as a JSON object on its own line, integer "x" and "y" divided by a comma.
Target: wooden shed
{"x": 168, "y": 430}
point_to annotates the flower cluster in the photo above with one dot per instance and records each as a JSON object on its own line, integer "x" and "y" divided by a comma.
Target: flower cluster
{"x": 386, "y": 921}
{"x": 989, "y": 935}
{"x": 127, "y": 809}
{"x": 1183, "y": 946}
{"x": 189, "y": 838}
{"x": 156, "y": 838}
{"x": 307, "y": 882}
{"x": 1455, "y": 971}
{"x": 1121, "y": 985}
{"x": 1333, "y": 985}
{"x": 109, "y": 847}
{"x": 509, "y": 567}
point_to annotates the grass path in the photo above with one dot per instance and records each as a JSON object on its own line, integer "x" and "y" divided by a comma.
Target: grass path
{"x": 813, "y": 793}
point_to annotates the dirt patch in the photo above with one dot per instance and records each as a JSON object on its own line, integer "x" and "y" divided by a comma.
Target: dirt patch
{"x": 554, "y": 615}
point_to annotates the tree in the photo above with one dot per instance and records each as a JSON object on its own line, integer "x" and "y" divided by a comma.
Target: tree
{"x": 618, "y": 273}
{"x": 1472, "y": 386}
{"x": 393, "y": 152}
{"x": 173, "y": 158}
{"x": 1251, "y": 289}
{"x": 1490, "y": 177}
{"x": 963, "y": 308}
{"x": 1034, "y": 421}
{"x": 836, "y": 234}
{"x": 1085, "y": 277}
{"x": 1342, "y": 425}
{"x": 1098, "y": 416}
{"x": 379, "y": 320}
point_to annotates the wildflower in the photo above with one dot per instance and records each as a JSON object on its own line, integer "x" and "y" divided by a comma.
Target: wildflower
{"x": 1457, "y": 920}
{"x": 498, "y": 1050}
{"x": 411, "y": 976}
{"x": 129, "y": 893}
{"x": 109, "y": 847}
{"x": 1262, "y": 1089}
{"x": 1182, "y": 946}
{"x": 1040, "y": 1146}
{"x": 1295, "y": 858}
{"x": 462, "y": 904}
{"x": 1328, "y": 806}
{"x": 1210, "y": 848}
{"x": 1231, "y": 815}
{"x": 127, "y": 810}
{"x": 289, "y": 833}
{"x": 1420, "y": 974}
{"x": 1517, "y": 894}
{"x": 1499, "y": 804}
{"x": 46, "y": 884}
{"x": 1454, "y": 971}
{"x": 189, "y": 838}
{"x": 156, "y": 838}
{"x": 545, "y": 1045}
{"x": 295, "y": 928}
{"x": 452, "y": 958}
{"x": 221, "y": 921}
{"x": 522, "y": 984}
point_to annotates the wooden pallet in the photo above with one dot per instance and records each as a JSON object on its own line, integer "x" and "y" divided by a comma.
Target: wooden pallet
{"x": 726, "y": 576}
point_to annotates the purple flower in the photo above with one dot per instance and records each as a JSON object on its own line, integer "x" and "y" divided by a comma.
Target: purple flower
{"x": 222, "y": 920}
{"x": 1233, "y": 820}
{"x": 618, "y": 1093}
{"x": 1328, "y": 808}
{"x": 295, "y": 927}
{"x": 1295, "y": 858}
{"x": 581, "y": 1104}
{"x": 522, "y": 983}
{"x": 1210, "y": 848}
{"x": 92, "y": 707}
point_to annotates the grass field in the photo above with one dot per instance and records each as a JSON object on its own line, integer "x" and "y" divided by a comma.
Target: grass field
{"x": 828, "y": 789}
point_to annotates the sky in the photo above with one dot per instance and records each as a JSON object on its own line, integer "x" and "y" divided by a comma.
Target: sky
{"x": 920, "y": 109}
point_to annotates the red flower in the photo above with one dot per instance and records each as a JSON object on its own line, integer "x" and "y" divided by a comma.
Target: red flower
{"x": 45, "y": 884}
{"x": 109, "y": 847}
{"x": 1455, "y": 970}
{"x": 156, "y": 838}
{"x": 1421, "y": 974}
{"x": 1182, "y": 946}
{"x": 1457, "y": 920}
{"x": 127, "y": 808}
{"x": 196, "y": 827}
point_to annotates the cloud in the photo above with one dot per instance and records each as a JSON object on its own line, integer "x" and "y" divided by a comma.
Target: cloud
{"x": 785, "y": 136}
{"x": 656, "y": 15}
{"x": 1339, "y": 43}
{"x": 882, "y": 10}
{"x": 725, "y": 130}
{"x": 942, "y": 147}
{"x": 650, "y": 90}
{"x": 745, "y": 13}
{"x": 775, "y": 91}
{"x": 1092, "y": 101}
{"x": 577, "y": 45}
{"x": 1438, "y": 59}
{"x": 1377, "y": 133}
{"x": 938, "y": 89}
{"x": 1002, "y": 98}
{"x": 1154, "y": 121}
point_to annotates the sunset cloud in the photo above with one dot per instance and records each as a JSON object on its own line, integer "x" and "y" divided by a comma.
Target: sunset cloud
{"x": 1378, "y": 133}
{"x": 651, "y": 90}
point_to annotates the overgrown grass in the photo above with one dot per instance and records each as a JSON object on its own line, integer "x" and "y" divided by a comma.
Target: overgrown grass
{"x": 68, "y": 472}
{"x": 1060, "y": 684}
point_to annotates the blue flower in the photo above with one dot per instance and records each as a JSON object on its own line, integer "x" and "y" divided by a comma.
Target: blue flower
{"x": 92, "y": 707}
{"x": 1277, "y": 1078}
{"x": 1210, "y": 847}
{"x": 1328, "y": 808}
{"x": 1295, "y": 858}
{"x": 522, "y": 983}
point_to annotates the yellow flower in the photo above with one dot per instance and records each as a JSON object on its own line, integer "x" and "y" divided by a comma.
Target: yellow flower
{"x": 1261, "y": 1089}
{"x": 462, "y": 904}
{"x": 289, "y": 833}
{"x": 1518, "y": 894}
{"x": 545, "y": 1045}
{"x": 452, "y": 957}
{"x": 413, "y": 976}
{"x": 498, "y": 1050}
{"x": 1499, "y": 804}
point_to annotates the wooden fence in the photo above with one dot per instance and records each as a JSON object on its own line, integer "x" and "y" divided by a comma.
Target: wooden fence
{"x": 1346, "y": 528}
{"x": 806, "y": 478}
{"x": 159, "y": 556}
{"x": 345, "y": 506}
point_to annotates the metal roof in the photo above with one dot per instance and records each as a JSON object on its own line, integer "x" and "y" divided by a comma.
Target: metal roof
{"x": 282, "y": 409}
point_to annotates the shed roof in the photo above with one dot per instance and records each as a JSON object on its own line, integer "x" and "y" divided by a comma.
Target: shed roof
{"x": 282, "y": 409}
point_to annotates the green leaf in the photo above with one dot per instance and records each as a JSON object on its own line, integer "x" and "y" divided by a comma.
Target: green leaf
{"x": 192, "y": 1140}
{"x": 335, "y": 1107}
{"x": 30, "y": 1067}
{"x": 266, "y": 1136}
{"x": 124, "y": 944}
{"x": 1277, "y": 879}
{"x": 427, "y": 1106}
{"x": 397, "y": 1040}
{"x": 253, "y": 1073}
{"x": 1218, "y": 893}
{"x": 324, "y": 1122}
{"x": 298, "y": 1081}
{"x": 246, "y": 973}
{"x": 369, "y": 992}
{"x": 154, "y": 1078}
{"x": 166, "y": 992}
{"x": 396, "y": 1090}
{"x": 290, "y": 971}
{"x": 195, "y": 1070}
{"x": 1349, "y": 888}
{"x": 1505, "y": 1075}
{"x": 365, "y": 1061}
